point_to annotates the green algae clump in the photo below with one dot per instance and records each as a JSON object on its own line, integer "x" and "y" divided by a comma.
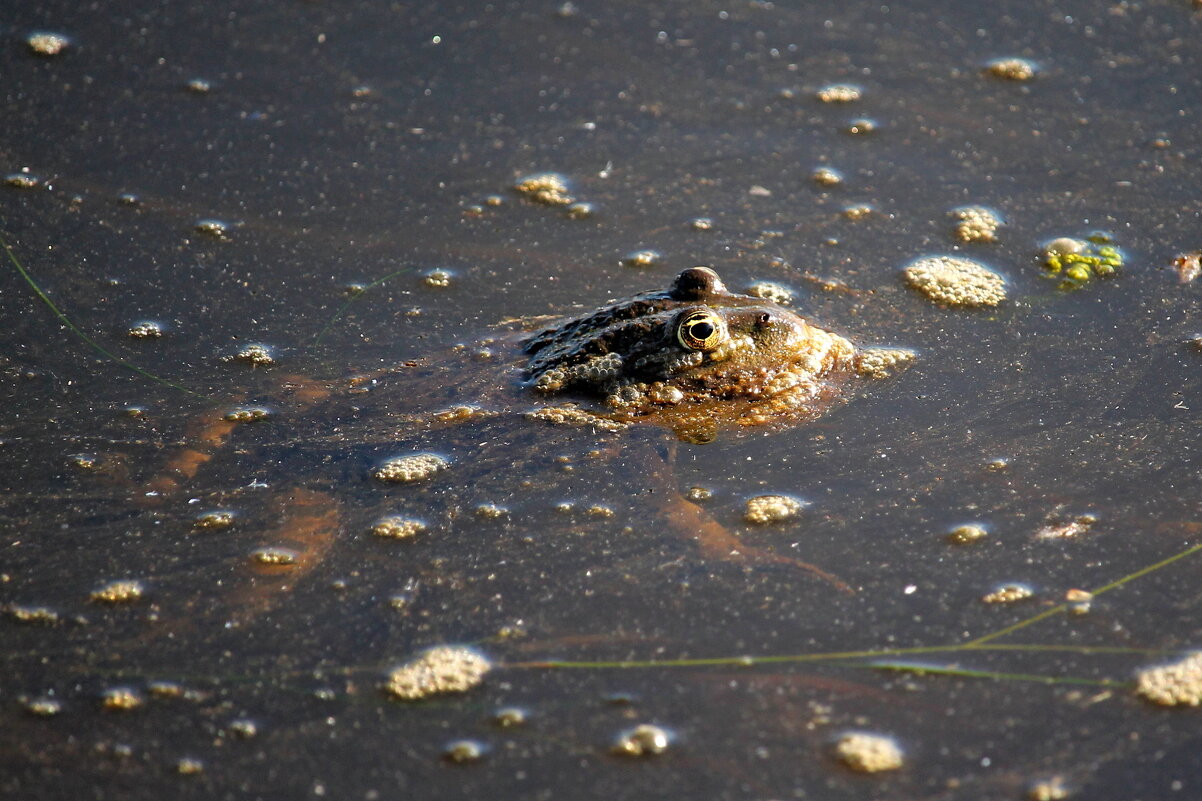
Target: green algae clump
{"x": 1077, "y": 261}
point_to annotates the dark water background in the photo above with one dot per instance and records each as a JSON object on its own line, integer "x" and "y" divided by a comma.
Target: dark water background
{"x": 345, "y": 142}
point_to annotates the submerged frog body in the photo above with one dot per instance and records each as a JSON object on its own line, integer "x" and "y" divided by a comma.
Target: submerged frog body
{"x": 693, "y": 353}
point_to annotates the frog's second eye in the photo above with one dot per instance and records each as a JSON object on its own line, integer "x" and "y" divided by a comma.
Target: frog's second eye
{"x": 700, "y": 330}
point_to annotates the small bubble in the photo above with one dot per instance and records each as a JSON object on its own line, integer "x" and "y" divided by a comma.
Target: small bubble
{"x": 461, "y": 751}
{"x": 510, "y": 716}
{"x": 861, "y": 126}
{"x": 643, "y": 740}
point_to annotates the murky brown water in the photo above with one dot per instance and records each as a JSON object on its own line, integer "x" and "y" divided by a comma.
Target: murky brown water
{"x": 345, "y": 144}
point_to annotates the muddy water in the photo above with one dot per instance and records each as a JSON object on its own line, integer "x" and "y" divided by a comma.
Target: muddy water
{"x": 360, "y": 146}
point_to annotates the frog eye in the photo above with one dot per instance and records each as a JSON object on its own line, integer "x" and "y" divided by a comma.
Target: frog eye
{"x": 700, "y": 330}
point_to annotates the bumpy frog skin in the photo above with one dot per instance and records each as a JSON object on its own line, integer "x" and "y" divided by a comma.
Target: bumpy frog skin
{"x": 694, "y": 350}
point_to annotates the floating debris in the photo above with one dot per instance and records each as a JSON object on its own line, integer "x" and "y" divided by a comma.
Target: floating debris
{"x": 955, "y": 281}
{"x": 826, "y": 176}
{"x": 701, "y": 224}
{"x": 1076, "y": 261}
{"x": 121, "y": 699}
{"x": 438, "y": 671}
{"x": 43, "y": 707}
{"x": 119, "y": 592}
{"x": 574, "y": 416}
{"x": 510, "y": 716}
{"x": 248, "y": 414}
{"x": 41, "y": 615}
{"x": 84, "y": 461}
{"x": 883, "y": 362}
{"x": 598, "y": 510}
{"x": 414, "y": 467}
{"x": 256, "y": 356}
{"x": 581, "y": 210}
{"x": 198, "y": 86}
{"x": 147, "y": 329}
{"x": 1008, "y": 594}
{"x": 189, "y": 767}
{"x": 645, "y": 739}
{"x": 243, "y": 728}
{"x": 1053, "y": 789}
{"x": 548, "y": 188}
{"x": 491, "y": 511}
{"x": 769, "y": 290}
{"x": 271, "y": 556}
{"x": 216, "y": 519}
{"x": 967, "y": 534}
{"x": 46, "y": 43}
{"x": 218, "y": 229}
{"x": 699, "y": 494}
{"x": 1175, "y": 684}
{"x": 1065, "y": 529}
{"x": 166, "y": 689}
{"x": 858, "y": 211}
{"x": 1188, "y": 266}
{"x": 464, "y": 751}
{"x": 398, "y": 528}
{"x": 22, "y": 180}
{"x": 1079, "y": 601}
{"x": 869, "y": 753}
{"x": 976, "y": 224}
{"x": 764, "y": 509}
{"x": 642, "y": 259}
{"x": 839, "y": 93}
{"x": 1012, "y": 69}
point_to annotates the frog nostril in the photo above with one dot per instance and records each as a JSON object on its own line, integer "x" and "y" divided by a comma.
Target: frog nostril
{"x": 765, "y": 318}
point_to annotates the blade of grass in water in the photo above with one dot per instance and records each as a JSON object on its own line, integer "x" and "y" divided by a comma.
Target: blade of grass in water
{"x": 77, "y": 331}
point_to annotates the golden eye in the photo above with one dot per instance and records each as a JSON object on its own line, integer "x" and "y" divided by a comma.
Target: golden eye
{"x": 700, "y": 330}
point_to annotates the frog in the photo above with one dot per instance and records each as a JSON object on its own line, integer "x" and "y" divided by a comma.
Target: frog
{"x": 532, "y": 409}
{"x": 695, "y": 357}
